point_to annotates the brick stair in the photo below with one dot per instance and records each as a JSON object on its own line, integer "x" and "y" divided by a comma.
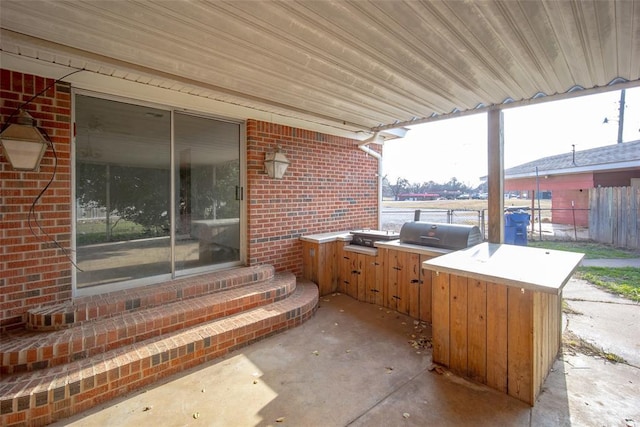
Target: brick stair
{"x": 52, "y": 375}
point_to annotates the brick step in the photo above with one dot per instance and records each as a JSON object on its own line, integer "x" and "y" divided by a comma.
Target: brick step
{"x": 45, "y": 396}
{"x": 94, "y": 307}
{"x": 27, "y": 350}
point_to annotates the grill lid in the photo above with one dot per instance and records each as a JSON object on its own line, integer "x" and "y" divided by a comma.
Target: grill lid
{"x": 445, "y": 236}
{"x": 369, "y": 237}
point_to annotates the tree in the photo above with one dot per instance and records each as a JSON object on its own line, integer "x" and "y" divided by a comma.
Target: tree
{"x": 135, "y": 194}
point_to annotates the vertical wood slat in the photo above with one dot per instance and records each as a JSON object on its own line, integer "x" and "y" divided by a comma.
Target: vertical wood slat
{"x": 381, "y": 277}
{"x": 520, "y": 344}
{"x": 404, "y": 274}
{"x": 497, "y": 337}
{"x": 361, "y": 277}
{"x": 458, "y": 303}
{"x": 345, "y": 271}
{"x": 477, "y": 334}
{"x": 412, "y": 280}
{"x": 393, "y": 267}
{"x": 425, "y": 292}
{"x": 614, "y": 216}
{"x": 310, "y": 261}
{"x": 440, "y": 312}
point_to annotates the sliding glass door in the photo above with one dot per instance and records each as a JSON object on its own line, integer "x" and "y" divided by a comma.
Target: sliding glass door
{"x": 132, "y": 225}
{"x": 207, "y": 182}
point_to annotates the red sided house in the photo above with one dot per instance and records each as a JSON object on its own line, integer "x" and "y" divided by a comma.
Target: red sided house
{"x": 187, "y": 146}
{"x": 570, "y": 176}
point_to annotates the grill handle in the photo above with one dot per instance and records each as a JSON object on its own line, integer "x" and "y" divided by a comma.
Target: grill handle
{"x": 430, "y": 238}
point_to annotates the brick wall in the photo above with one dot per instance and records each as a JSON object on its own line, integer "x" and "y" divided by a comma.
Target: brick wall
{"x": 33, "y": 270}
{"x": 330, "y": 185}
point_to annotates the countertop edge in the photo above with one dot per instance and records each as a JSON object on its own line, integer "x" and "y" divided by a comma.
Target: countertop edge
{"x": 407, "y": 247}
{"x": 344, "y": 236}
{"x": 439, "y": 265}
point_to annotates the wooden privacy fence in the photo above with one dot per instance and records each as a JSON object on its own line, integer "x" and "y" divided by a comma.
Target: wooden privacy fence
{"x": 613, "y": 216}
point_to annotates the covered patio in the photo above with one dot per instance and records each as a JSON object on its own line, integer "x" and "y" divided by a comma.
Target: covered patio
{"x": 190, "y": 100}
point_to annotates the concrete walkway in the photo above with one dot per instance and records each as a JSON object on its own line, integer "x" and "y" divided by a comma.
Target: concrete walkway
{"x": 614, "y": 262}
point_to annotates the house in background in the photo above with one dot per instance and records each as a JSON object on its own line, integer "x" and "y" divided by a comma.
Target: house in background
{"x": 569, "y": 177}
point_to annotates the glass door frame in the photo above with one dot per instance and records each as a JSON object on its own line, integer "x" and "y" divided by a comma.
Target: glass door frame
{"x": 242, "y": 151}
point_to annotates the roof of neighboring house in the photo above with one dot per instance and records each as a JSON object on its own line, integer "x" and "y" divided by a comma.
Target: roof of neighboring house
{"x": 610, "y": 157}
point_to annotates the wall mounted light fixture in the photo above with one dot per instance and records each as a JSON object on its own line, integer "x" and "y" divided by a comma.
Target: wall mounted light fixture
{"x": 276, "y": 163}
{"x": 23, "y": 144}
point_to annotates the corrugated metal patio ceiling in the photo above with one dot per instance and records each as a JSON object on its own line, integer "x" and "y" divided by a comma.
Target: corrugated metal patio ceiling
{"x": 351, "y": 65}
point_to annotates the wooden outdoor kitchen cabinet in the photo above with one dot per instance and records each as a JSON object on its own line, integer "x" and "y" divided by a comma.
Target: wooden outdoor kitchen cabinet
{"x": 407, "y": 290}
{"x": 360, "y": 273}
{"x": 497, "y": 314}
{"x": 320, "y": 254}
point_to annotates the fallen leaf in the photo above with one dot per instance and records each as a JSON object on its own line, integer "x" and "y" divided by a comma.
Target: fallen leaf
{"x": 315, "y": 352}
{"x": 406, "y": 415}
{"x": 437, "y": 368}
{"x": 280, "y": 420}
{"x": 196, "y": 415}
{"x": 147, "y": 408}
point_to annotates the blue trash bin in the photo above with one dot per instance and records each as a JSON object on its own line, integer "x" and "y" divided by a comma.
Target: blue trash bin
{"x": 515, "y": 227}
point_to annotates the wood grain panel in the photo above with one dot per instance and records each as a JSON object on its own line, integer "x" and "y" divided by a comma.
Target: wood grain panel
{"x": 458, "y": 346}
{"x": 477, "y": 338}
{"x": 440, "y": 326}
{"x": 425, "y": 292}
{"x": 497, "y": 336}
{"x": 520, "y": 344}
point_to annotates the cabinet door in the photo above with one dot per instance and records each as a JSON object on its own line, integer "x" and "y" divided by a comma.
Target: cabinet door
{"x": 393, "y": 264}
{"x": 411, "y": 282}
{"x": 403, "y": 268}
{"x": 374, "y": 279}
{"x": 425, "y": 291}
{"x": 349, "y": 273}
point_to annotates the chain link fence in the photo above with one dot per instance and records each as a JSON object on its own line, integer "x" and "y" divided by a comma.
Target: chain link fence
{"x": 540, "y": 226}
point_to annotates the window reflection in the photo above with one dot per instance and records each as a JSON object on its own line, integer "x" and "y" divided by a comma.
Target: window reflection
{"x": 122, "y": 191}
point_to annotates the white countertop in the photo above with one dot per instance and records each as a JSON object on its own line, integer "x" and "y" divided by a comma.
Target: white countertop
{"x": 416, "y": 249}
{"x": 529, "y": 268}
{"x": 344, "y": 236}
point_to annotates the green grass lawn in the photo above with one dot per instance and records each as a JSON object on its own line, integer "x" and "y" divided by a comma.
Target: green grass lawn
{"x": 592, "y": 250}
{"x": 91, "y": 232}
{"x": 624, "y": 281}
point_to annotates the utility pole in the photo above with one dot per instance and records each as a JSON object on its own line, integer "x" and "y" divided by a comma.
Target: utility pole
{"x": 621, "y": 116}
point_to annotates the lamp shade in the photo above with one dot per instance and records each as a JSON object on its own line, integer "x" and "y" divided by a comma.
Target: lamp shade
{"x": 276, "y": 164}
{"x": 23, "y": 144}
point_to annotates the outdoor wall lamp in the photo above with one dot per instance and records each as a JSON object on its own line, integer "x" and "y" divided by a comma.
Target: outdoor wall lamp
{"x": 276, "y": 163}
{"x": 23, "y": 144}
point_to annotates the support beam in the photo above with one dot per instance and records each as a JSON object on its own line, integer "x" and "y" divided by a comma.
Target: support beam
{"x": 495, "y": 146}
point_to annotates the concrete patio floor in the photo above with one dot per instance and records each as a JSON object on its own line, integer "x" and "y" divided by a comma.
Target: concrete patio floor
{"x": 353, "y": 364}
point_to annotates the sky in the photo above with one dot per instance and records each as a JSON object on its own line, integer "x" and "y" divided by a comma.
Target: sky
{"x": 457, "y": 147}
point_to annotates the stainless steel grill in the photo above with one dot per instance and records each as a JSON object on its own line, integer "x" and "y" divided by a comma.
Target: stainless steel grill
{"x": 444, "y": 236}
{"x": 369, "y": 237}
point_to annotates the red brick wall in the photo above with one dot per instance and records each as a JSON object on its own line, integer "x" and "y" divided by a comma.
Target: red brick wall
{"x": 330, "y": 185}
{"x": 33, "y": 271}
